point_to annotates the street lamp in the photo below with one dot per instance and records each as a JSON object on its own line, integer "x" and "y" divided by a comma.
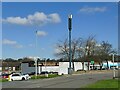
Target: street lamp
{"x": 70, "y": 53}
{"x": 45, "y": 63}
{"x": 35, "y": 59}
{"x": 113, "y": 57}
{"x": 36, "y": 40}
{"x": 21, "y": 66}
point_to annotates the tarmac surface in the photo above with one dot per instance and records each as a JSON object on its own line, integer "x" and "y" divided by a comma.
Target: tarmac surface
{"x": 65, "y": 81}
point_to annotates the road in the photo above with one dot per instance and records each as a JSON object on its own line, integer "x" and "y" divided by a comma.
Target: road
{"x": 67, "y": 81}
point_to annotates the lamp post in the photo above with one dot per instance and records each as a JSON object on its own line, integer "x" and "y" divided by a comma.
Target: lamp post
{"x": 35, "y": 59}
{"x": 70, "y": 53}
{"x": 45, "y": 63}
{"x": 21, "y": 66}
{"x": 113, "y": 57}
{"x": 87, "y": 54}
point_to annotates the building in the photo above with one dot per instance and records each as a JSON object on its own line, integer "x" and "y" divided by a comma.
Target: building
{"x": 7, "y": 67}
{"x": 111, "y": 65}
{"x": 60, "y": 67}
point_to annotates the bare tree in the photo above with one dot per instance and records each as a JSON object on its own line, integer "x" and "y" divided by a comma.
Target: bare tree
{"x": 90, "y": 48}
{"x": 106, "y": 50}
{"x": 76, "y": 46}
{"x": 90, "y": 45}
{"x": 84, "y": 50}
{"x": 63, "y": 48}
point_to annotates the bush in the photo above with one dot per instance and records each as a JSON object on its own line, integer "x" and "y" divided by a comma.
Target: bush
{"x": 43, "y": 76}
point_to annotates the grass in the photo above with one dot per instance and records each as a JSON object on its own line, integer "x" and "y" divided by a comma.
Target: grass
{"x": 44, "y": 77}
{"x": 3, "y": 80}
{"x": 111, "y": 83}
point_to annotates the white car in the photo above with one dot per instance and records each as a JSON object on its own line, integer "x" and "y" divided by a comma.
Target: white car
{"x": 18, "y": 76}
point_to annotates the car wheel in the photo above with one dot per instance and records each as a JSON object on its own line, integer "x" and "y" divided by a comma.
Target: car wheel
{"x": 23, "y": 78}
{"x": 11, "y": 79}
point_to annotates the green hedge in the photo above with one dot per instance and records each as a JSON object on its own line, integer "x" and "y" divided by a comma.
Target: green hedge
{"x": 43, "y": 76}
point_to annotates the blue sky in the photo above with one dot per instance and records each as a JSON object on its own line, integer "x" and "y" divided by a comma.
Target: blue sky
{"x": 21, "y": 20}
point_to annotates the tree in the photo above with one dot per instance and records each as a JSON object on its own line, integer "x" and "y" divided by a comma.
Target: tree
{"x": 10, "y": 60}
{"x": 105, "y": 51}
{"x": 84, "y": 50}
{"x": 90, "y": 44}
{"x": 27, "y": 59}
{"x": 63, "y": 48}
{"x": 76, "y": 49}
{"x": 20, "y": 59}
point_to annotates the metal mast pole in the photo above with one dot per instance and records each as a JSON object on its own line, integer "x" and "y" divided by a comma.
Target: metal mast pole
{"x": 36, "y": 57}
{"x": 70, "y": 53}
{"x": 113, "y": 66}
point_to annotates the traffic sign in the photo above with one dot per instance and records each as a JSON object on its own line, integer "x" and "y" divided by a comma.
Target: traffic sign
{"x": 92, "y": 62}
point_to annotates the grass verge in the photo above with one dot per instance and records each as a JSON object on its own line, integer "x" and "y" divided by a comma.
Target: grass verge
{"x": 44, "y": 77}
{"x": 3, "y": 80}
{"x": 111, "y": 83}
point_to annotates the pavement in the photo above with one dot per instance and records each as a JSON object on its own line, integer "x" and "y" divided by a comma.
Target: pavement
{"x": 65, "y": 81}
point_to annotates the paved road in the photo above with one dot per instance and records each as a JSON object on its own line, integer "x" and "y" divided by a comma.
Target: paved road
{"x": 68, "y": 81}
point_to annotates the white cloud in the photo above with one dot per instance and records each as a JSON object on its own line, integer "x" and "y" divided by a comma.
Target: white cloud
{"x": 18, "y": 46}
{"x": 93, "y": 9}
{"x": 15, "y": 20}
{"x": 38, "y": 18}
{"x": 54, "y": 18}
{"x": 41, "y": 33}
{"x": 9, "y": 42}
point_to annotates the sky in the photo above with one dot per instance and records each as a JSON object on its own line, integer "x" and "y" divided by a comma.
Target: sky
{"x": 20, "y": 21}
{"x": 60, "y": 1}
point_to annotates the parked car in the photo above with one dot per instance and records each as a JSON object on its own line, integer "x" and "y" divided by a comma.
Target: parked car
{"x": 18, "y": 76}
{"x": 12, "y": 72}
{"x": 5, "y": 75}
{"x": 32, "y": 73}
{"x": 44, "y": 72}
{"x": 53, "y": 72}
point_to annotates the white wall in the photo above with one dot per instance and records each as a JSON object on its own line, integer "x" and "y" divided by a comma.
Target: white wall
{"x": 61, "y": 69}
{"x": 78, "y": 66}
{"x": 50, "y": 68}
{"x": 13, "y": 68}
{"x": 86, "y": 66}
